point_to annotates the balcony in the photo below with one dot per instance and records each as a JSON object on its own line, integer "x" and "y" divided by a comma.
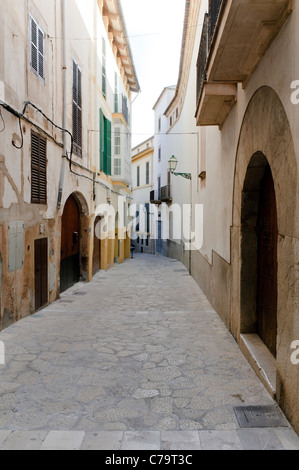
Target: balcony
{"x": 121, "y": 108}
{"x": 166, "y": 194}
{"x": 235, "y": 37}
{"x": 161, "y": 195}
{"x": 155, "y": 196}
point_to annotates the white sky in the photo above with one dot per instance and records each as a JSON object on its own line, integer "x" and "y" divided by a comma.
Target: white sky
{"x": 155, "y": 29}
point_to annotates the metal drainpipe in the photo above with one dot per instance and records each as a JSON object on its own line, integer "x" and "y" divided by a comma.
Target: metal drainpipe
{"x": 64, "y": 85}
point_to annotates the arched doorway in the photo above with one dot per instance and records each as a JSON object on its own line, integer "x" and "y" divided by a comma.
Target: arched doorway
{"x": 70, "y": 245}
{"x": 259, "y": 239}
{"x": 266, "y": 132}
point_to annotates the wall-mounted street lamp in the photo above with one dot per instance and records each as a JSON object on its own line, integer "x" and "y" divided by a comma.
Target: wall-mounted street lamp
{"x": 172, "y": 165}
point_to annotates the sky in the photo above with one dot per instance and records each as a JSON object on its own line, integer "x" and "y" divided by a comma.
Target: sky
{"x": 155, "y": 29}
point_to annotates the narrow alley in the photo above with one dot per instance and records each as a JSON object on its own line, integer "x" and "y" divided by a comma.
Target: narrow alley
{"x": 136, "y": 359}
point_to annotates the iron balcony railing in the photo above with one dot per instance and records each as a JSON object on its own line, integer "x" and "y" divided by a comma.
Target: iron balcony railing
{"x": 202, "y": 57}
{"x": 155, "y": 196}
{"x": 121, "y": 106}
{"x": 208, "y": 32}
{"x": 166, "y": 193}
{"x": 214, "y": 10}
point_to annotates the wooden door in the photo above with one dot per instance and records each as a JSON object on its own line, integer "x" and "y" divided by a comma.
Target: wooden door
{"x": 267, "y": 264}
{"x": 96, "y": 262}
{"x": 41, "y": 272}
{"x": 70, "y": 245}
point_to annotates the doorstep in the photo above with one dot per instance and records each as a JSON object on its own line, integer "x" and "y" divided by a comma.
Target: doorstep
{"x": 261, "y": 360}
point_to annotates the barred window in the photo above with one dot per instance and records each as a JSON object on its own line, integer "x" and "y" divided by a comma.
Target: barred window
{"x": 37, "y": 49}
{"x": 38, "y": 169}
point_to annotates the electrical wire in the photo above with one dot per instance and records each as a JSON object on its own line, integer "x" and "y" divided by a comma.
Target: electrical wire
{"x": 2, "y": 121}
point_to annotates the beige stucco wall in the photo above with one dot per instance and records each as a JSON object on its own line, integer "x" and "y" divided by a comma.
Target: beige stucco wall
{"x": 84, "y": 23}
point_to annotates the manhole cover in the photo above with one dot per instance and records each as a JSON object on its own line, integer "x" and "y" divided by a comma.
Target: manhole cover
{"x": 260, "y": 417}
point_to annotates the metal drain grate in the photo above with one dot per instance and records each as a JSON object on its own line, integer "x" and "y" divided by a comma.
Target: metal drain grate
{"x": 260, "y": 417}
{"x": 80, "y": 293}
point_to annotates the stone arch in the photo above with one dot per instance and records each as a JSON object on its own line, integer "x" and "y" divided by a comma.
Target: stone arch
{"x": 266, "y": 137}
{"x": 80, "y": 266}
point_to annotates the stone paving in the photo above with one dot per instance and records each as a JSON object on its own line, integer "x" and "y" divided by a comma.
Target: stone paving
{"x": 136, "y": 359}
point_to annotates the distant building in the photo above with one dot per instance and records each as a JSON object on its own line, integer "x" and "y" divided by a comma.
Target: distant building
{"x": 142, "y": 185}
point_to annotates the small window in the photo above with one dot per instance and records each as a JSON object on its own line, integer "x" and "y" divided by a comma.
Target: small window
{"x": 159, "y": 153}
{"x": 37, "y": 49}
{"x": 138, "y": 176}
{"x": 77, "y": 109}
{"x": 159, "y": 125}
{"x": 170, "y": 121}
{"x": 104, "y": 87}
{"x": 147, "y": 173}
{"x": 117, "y": 167}
{"x": 38, "y": 169}
{"x": 117, "y": 141}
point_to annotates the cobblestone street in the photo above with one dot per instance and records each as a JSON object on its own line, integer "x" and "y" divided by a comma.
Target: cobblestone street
{"x": 137, "y": 359}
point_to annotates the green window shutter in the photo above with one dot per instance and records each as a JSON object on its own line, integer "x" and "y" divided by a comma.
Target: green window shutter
{"x": 109, "y": 147}
{"x": 102, "y": 133}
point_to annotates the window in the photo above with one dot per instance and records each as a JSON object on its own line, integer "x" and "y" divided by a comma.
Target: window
{"x": 38, "y": 169}
{"x": 159, "y": 153}
{"x": 115, "y": 93}
{"x": 104, "y": 67}
{"x": 105, "y": 144}
{"x": 147, "y": 207}
{"x": 37, "y": 49}
{"x": 147, "y": 173}
{"x": 117, "y": 141}
{"x": 170, "y": 121}
{"x": 138, "y": 176}
{"x": 159, "y": 125}
{"x": 77, "y": 109}
{"x": 117, "y": 167}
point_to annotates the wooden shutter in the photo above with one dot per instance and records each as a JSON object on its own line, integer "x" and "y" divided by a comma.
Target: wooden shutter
{"x": 38, "y": 169}
{"x": 37, "y": 49}
{"x": 77, "y": 109}
{"x": 102, "y": 134}
{"x": 34, "y": 45}
{"x": 109, "y": 148}
{"x": 41, "y": 54}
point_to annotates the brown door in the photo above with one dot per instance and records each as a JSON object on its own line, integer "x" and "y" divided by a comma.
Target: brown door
{"x": 41, "y": 272}
{"x": 96, "y": 263}
{"x": 267, "y": 264}
{"x": 70, "y": 245}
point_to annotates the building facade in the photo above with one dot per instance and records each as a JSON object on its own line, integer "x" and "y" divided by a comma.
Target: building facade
{"x": 142, "y": 185}
{"x": 66, "y": 80}
{"x": 237, "y": 97}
